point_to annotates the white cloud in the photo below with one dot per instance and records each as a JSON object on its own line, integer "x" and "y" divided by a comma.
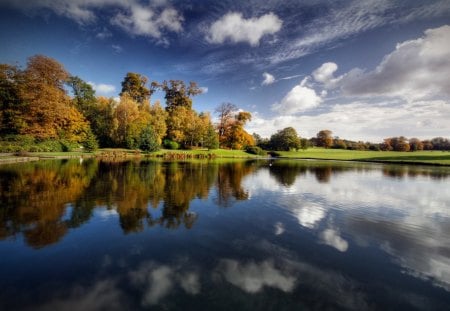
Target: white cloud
{"x": 325, "y": 75}
{"x": 232, "y": 26}
{"x": 149, "y": 20}
{"x": 145, "y": 21}
{"x": 299, "y": 99}
{"x": 365, "y": 120}
{"x": 416, "y": 69}
{"x": 253, "y": 277}
{"x": 353, "y": 18}
{"x": 101, "y": 88}
{"x": 268, "y": 79}
{"x": 204, "y": 89}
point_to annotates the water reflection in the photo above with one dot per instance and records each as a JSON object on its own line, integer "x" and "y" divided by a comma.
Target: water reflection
{"x": 36, "y": 198}
{"x": 243, "y": 235}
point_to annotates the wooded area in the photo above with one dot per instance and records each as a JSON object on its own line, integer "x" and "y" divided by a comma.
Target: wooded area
{"x": 44, "y": 108}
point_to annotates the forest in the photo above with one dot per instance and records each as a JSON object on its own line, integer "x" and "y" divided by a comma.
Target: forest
{"x": 45, "y": 108}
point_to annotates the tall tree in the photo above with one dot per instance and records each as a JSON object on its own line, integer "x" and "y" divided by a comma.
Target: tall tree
{"x": 178, "y": 94}
{"x": 11, "y": 105}
{"x": 226, "y": 114}
{"x": 49, "y": 112}
{"x": 83, "y": 95}
{"x": 133, "y": 85}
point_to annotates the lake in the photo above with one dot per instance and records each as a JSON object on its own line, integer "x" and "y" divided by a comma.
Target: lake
{"x": 223, "y": 235}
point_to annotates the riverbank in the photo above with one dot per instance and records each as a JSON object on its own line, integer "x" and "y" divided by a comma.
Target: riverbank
{"x": 440, "y": 158}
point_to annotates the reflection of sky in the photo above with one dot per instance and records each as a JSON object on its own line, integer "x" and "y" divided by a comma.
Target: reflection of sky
{"x": 408, "y": 218}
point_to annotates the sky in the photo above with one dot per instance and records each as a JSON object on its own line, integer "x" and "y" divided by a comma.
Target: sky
{"x": 364, "y": 69}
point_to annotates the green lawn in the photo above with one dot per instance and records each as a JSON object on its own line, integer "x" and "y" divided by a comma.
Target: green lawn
{"x": 419, "y": 157}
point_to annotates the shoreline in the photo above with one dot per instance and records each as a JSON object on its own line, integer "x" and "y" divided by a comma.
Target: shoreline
{"x": 12, "y": 159}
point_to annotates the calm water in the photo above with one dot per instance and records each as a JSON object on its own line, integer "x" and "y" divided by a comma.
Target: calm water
{"x": 255, "y": 235}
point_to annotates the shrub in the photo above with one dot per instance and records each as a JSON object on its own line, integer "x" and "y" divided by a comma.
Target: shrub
{"x": 255, "y": 150}
{"x": 172, "y": 145}
{"x": 149, "y": 140}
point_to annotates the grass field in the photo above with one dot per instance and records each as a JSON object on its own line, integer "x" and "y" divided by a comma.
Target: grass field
{"x": 417, "y": 157}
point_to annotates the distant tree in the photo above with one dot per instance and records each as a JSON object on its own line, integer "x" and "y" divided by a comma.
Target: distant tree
{"x": 285, "y": 139}
{"x": 387, "y": 145}
{"x": 440, "y": 143}
{"x": 427, "y": 145}
{"x": 395, "y": 144}
{"x": 324, "y": 138}
{"x": 134, "y": 86}
{"x": 415, "y": 144}
{"x": 339, "y": 143}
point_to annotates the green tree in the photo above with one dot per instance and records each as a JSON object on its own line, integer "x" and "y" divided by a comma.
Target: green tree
{"x": 149, "y": 140}
{"x": 11, "y": 105}
{"x": 83, "y": 96}
{"x": 178, "y": 94}
{"x": 285, "y": 139}
{"x": 133, "y": 85}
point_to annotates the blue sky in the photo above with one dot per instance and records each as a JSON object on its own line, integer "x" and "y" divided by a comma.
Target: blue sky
{"x": 363, "y": 69}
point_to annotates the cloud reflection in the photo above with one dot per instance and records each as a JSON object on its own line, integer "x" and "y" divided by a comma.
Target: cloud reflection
{"x": 331, "y": 237}
{"x": 253, "y": 277}
{"x": 158, "y": 281}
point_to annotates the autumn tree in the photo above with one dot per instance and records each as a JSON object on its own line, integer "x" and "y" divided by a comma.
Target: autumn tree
{"x": 134, "y": 85}
{"x": 285, "y": 140}
{"x": 225, "y": 113}
{"x": 50, "y": 113}
{"x": 126, "y": 115}
{"x": 157, "y": 120}
{"x": 236, "y": 137}
{"x": 103, "y": 123}
{"x": 415, "y": 144}
{"x": 324, "y": 139}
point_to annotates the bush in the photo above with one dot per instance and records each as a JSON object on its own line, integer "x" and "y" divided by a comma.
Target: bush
{"x": 90, "y": 143}
{"x": 172, "y": 145}
{"x": 255, "y": 150}
{"x": 149, "y": 140}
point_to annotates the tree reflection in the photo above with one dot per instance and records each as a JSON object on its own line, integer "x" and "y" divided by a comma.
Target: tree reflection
{"x": 229, "y": 181}
{"x": 43, "y": 200}
{"x": 33, "y": 198}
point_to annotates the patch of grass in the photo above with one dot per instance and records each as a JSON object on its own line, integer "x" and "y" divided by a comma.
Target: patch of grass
{"x": 417, "y": 157}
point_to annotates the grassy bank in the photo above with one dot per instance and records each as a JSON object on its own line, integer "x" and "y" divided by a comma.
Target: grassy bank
{"x": 417, "y": 157}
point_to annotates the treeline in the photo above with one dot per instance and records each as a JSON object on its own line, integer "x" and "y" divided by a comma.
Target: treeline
{"x": 288, "y": 139}
{"x": 37, "y": 113}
